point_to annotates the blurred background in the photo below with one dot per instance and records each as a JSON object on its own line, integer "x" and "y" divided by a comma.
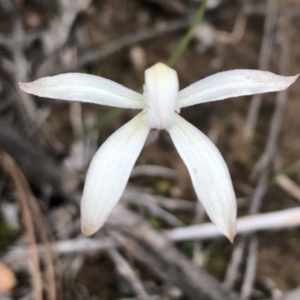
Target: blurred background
{"x": 46, "y": 147}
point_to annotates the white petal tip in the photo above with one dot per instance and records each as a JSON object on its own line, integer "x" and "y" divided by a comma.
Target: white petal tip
{"x": 285, "y": 82}
{"x": 90, "y": 226}
{"x": 24, "y": 86}
{"x": 293, "y": 79}
{"x": 35, "y": 87}
{"x": 229, "y": 226}
{"x": 231, "y": 234}
{"x": 89, "y": 229}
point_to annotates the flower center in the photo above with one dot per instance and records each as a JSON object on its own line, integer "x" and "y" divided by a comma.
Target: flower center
{"x": 160, "y": 94}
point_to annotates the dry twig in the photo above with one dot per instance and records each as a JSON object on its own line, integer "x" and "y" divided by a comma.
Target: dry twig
{"x": 33, "y": 216}
{"x": 73, "y": 246}
{"x": 282, "y": 219}
{"x": 23, "y": 197}
{"x": 150, "y": 170}
{"x": 234, "y": 265}
{"x": 124, "y": 269}
{"x": 146, "y": 201}
{"x": 161, "y": 257}
{"x": 289, "y": 186}
{"x": 250, "y": 269}
{"x": 262, "y": 167}
{"x": 264, "y": 58}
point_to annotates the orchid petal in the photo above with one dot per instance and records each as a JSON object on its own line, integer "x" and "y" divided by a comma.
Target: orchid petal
{"x": 85, "y": 88}
{"x": 161, "y": 93}
{"x": 233, "y": 83}
{"x": 109, "y": 172}
{"x": 209, "y": 174}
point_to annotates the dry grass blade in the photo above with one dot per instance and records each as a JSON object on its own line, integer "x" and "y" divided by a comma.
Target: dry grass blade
{"x": 50, "y": 258}
{"x": 23, "y": 196}
{"x": 33, "y": 216}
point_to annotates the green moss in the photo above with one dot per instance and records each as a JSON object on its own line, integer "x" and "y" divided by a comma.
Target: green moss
{"x": 155, "y": 223}
{"x": 217, "y": 262}
{"x": 293, "y": 237}
{"x": 187, "y": 248}
{"x": 6, "y": 235}
{"x": 163, "y": 187}
{"x": 291, "y": 280}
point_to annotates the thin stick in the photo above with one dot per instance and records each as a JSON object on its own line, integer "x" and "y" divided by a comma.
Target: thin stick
{"x": 37, "y": 219}
{"x": 50, "y": 259}
{"x": 234, "y": 264}
{"x": 283, "y": 219}
{"x": 288, "y": 218}
{"x": 289, "y": 170}
{"x": 147, "y": 202}
{"x": 124, "y": 269}
{"x": 277, "y": 117}
{"x": 251, "y": 269}
{"x": 72, "y": 246}
{"x": 264, "y": 58}
{"x": 172, "y": 204}
{"x": 262, "y": 167}
{"x": 151, "y": 170}
{"x": 22, "y": 197}
{"x": 289, "y": 186}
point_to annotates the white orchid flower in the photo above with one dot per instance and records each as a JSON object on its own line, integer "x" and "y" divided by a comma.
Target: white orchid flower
{"x": 160, "y": 103}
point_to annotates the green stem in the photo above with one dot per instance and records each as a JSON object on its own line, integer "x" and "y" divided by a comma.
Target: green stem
{"x": 183, "y": 43}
